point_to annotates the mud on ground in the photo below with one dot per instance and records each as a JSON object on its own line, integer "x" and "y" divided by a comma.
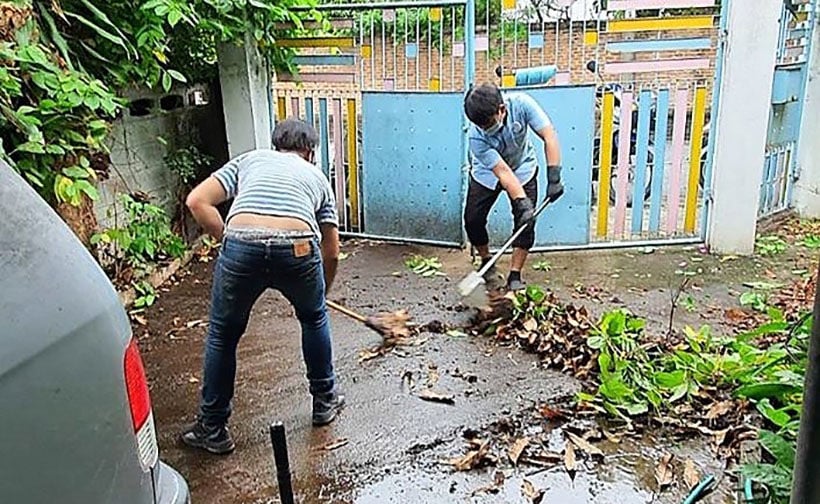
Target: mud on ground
{"x": 387, "y": 445}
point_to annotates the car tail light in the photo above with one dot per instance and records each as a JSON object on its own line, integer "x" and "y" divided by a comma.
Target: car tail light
{"x": 139, "y": 402}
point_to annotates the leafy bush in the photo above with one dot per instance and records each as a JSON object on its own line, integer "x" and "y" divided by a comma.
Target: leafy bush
{"x": 144, "y": 236}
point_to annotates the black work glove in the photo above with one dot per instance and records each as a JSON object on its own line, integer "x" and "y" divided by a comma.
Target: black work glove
{"x": 523, "y": 212}
{"x": 555, "y": 189}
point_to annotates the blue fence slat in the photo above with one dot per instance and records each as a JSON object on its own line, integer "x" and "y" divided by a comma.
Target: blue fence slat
{"x": 412, "y": 189}
{"x": 565, "y": 222}
{"x": 661, "y": 125}
{"x": 642, "y": 160}
{"x": 325, "y": 143}
{"x": 309, "y": 111}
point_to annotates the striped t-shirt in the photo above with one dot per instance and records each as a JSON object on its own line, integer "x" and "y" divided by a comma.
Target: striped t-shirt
{"x": 278, "y": 184}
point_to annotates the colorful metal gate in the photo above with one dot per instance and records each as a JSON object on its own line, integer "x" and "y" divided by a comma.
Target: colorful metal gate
{"x": 780, "y": 170}
{"x": 383, "y": 82}
{"x": 392, "y": 133}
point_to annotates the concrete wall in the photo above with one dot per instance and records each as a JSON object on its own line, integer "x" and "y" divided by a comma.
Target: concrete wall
{"x": 245, "y": 82}
{"x": 742, "y": 125}
{"x": 807, "y": 189}
{"x": 137, "y": 163}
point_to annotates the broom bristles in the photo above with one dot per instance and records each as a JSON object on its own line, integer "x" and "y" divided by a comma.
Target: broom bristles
{"x": 392, "y": 326}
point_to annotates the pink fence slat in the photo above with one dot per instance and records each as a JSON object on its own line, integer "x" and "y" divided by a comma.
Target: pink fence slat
{"x": 623, "y": 164}
{"x": 339, "y": 162}
{"x": 656, "y": 66}
{"x": 617, "y": 5}
{"x": 294, "y": 107}
{"x": 676, "y": 173}
{"x": 562, "y": 79}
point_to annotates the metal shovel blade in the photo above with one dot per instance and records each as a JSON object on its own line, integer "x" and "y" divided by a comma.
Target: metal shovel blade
{"x": 472, "y": 290}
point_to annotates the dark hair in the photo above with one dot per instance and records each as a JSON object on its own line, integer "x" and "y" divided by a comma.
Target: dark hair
{"x": 294, "y": 135}
{"x": 482, "y": 103}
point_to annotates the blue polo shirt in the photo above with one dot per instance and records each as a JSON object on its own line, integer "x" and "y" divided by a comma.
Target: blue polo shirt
{"x": 511, "y": 143}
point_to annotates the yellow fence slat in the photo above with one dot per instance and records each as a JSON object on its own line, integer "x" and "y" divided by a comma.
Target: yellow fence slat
{"x": 660, "y": 24}
{"x": 281, "y": 111}
{"x": 698, "y": 119}
{"x": 366, "y": 51}
{"x": 508, "y": 81}
{"x": 605, "y": 163}
{"x": 435, "y": 14}
{"x": 434, "y": 84}
{"x": 590, "y": 38}
{"x": 353, "y": 163}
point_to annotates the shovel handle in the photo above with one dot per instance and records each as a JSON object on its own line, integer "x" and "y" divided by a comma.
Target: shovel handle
{"x": 349, "y": 313}
{"x": 510, "y": 241}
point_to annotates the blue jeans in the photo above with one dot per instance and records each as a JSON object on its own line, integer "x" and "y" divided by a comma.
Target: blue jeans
{"x": 244, "y": 270}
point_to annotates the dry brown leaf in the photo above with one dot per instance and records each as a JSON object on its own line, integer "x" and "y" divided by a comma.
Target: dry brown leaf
{"x": 473, "y": 457}
{"x": 550, "y": 413}
{"x": 719, "y": 409}
{"x": 569, "y": 457}
{"x": 194, "y": 323}
{"x": 584, "y": 445}
{"x": 530, "y": 324}
{"x": 690, "y": 474}
{"x": 429, "y": 395}
{"x": 368, "y": 354}
{"x": 335, "y": 445}
{"x": 534, "y": 495}
{"x": 611, "y": 437}
{"x": 517, "y": 449}
{"x": 193, "y": 379}
{"x": 139, "y": 319}
{"x": 663, "y": 472}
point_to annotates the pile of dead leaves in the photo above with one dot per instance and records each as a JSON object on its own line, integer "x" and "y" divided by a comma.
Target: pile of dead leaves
{"x": 539, "y": 323}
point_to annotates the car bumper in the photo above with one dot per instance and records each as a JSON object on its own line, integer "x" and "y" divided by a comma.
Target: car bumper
{"x": 171, "y": 486}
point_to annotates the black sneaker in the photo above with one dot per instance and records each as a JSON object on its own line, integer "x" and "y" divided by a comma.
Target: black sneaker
{"x": 326, "y": 406}
{"x": 213, "y": 439}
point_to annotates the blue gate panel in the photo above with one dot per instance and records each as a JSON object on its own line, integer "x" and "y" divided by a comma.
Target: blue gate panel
{"x": 413, "y": 158}
{"x": 567, "y": 221}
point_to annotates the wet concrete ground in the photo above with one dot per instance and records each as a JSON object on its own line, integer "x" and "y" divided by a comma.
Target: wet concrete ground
{"x": 395, "y": 441}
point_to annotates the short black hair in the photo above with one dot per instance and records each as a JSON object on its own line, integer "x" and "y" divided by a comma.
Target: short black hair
{"x": 294, "y": 135}
{"x": 482, "y": 103}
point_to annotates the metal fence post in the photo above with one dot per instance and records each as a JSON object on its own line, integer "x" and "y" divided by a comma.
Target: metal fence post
{"x": 806, "y": 483}
{"x": 280, "y": 458}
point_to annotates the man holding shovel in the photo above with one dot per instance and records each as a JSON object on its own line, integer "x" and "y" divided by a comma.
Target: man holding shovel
{"x": 281, "y": 233}
{"x": 503, "y": 158}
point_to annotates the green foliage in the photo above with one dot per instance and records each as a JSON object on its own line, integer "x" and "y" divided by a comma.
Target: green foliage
{"x": 756, "y": 300}
{"x": 60, "y": 73}
{"x": 188, "y": 163}
{"x": 424, "y": 266}
{"x": 637, "y": 377}
{"x": 812, "y": 242}
{"x": 776, "y": 475}
{"x": 543, "y": 265}
{"x": 689, "y": 304}
{"x": 770, "y": 245}
{"x": 53, "y": 122}
{"x": 145, "y": 236}
{"x": 146, "y": 295}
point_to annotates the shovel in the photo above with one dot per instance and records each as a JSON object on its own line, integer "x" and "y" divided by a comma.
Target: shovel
{"x": 471, "y": 287}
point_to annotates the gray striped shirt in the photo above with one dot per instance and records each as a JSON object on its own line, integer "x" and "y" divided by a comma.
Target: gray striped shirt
{"x": 278, "y": 184}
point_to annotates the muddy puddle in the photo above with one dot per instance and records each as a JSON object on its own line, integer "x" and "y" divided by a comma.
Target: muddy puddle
{"x": 625, "y": 475}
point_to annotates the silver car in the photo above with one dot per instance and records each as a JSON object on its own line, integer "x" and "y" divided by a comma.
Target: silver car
{"x": 76, "y": 424}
